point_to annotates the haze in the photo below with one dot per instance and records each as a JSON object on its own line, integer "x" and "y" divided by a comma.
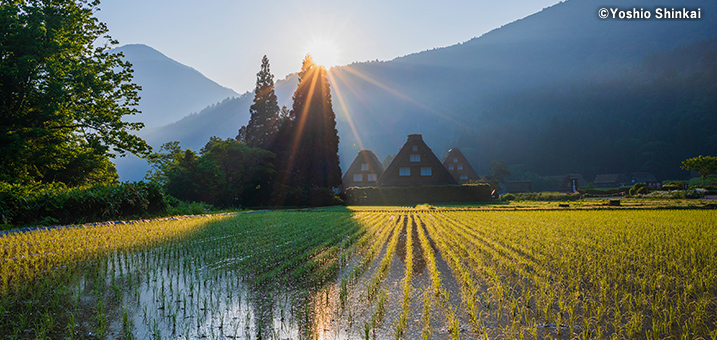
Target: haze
{"x": 226, "y": 39}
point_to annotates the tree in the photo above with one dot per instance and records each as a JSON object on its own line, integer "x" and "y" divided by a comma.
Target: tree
{"x": 704, "y": 165}
{"x": 499, "y": 171}
{"x": 226, "y": 173}
{"x": 62, "y": 95}
{"x": 262, "y": 126}
{"x": 313, "y": 162}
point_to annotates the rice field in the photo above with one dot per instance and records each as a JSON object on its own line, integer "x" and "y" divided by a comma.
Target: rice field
{"x": 400, "y": 273}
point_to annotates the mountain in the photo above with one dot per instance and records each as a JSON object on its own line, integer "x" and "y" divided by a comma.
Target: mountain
{"x": 483, "y": 95}
{"x": 170, "y": 90}
{"x": 443, "y": 91}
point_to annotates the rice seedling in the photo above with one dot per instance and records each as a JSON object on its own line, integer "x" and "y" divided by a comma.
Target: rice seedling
{"x": 520, "y": 274}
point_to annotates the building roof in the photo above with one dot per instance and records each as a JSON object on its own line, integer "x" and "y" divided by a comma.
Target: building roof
{"x": 643, "y": 177}
{"x": 415, "y": 156}
{"x": 609, "y": 178}
{"x": 453, "y": 158}
{"x": 374, "y": 167}
{"x": 518, "y": 186}
{"x": 567, "y": 180}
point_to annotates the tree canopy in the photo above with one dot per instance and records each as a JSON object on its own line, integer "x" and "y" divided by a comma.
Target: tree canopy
{"x": 62, "y": 95}
{"x": 225, "y": 173}
{"x": 314, "y": 160}
{"x": 704, "y": 165}
{"x": 263, "y": 125}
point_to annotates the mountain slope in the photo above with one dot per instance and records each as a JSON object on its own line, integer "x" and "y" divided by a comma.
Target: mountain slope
{"x": 441, "y": 92}
{"x": 170, "y": 90}
{"x": 449, "y": 93}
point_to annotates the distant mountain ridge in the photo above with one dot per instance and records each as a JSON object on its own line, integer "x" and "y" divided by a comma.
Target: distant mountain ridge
{"x": 170, "y": 90}
{"x": 444, "y": 92}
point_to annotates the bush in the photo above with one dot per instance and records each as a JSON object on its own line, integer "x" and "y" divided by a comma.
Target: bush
{"x": 177, "y": 207}
{"x": 672, "y": 187}
{"x": 47, "y": 204}
{"x": 418, "y": 195}
{"x": 621, "y": 191}
{"x": 507, "y": 197}
{"x": 548, "y": 196}
{"x": 638, "y": 188}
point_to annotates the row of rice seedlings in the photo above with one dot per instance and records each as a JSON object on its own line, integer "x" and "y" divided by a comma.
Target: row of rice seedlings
{"x": 382, "y": 271}
{"x": 503, "y": 269}
{"x": 374, "y": 290}
{"x": 194, "y": 277}
{"x": 446, "y": 245}
{"x": 380, "y": 231}
{"x": 38, "y": 274}
{"x": 435, "y": 290}
{"x": 262, "y": 323}
{"x": 592, "y": 259}
{"x": 401, "y": 324}
{"x": 624, "y": 272}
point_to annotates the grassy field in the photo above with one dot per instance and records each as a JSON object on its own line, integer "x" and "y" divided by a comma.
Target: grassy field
{"x": 507, "y": 271}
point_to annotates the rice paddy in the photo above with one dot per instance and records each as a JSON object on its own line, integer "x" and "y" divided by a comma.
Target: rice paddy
{"x": 399, "y": 273}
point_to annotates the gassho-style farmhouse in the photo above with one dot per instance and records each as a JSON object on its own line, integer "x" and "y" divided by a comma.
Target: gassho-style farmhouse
{"x": 414, "y": 165}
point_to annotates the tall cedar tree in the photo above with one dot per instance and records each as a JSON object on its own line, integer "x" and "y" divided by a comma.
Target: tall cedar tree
{"x": 262, "y": 127}
{"x": 62, "y": 95}
{"x": 313, "y": 161}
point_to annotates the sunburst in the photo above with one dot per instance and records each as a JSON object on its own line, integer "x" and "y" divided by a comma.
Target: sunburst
{"x": 324, "y": 51}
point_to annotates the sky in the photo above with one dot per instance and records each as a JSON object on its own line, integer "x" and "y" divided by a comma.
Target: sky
{"x": 226, "y": 39}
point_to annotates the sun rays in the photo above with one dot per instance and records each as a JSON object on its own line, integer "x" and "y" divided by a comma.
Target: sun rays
{"x": 325, "y": 52}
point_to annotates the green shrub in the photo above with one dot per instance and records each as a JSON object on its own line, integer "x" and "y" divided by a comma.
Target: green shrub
{"x": 605, "y": 192}
{"x": 548, "y": 196}
{"x": 48, "y": 204}
{"x": 418, "y": 195}
{"x": 672, "y": 187}
{"x": 635, "y": 190}
{"x": 178, "y": 207}
{"x": 508, "y": 197}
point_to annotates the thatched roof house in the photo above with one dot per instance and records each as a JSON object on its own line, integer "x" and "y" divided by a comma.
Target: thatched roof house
{"x": 458, "y": 166}
{"x": 517, "y": 186}
{"x": 415, "y": 165}
{"x": 611, "y": 181}
{"x": 642, "y": 177}
{"x": 365, "y": 170}
{"x": 571, "y": 182}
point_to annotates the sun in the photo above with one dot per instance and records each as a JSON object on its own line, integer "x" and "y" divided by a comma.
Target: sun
{"x": 325, "y": 52}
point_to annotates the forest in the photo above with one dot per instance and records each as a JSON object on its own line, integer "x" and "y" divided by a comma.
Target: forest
{"x": 649, "y": 119}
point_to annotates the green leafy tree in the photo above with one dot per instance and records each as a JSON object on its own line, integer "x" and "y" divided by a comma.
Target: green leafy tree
{"x": 499, "y": 171}
{"x": 262, "y": 127}
{"x": 704, "y": 165}
{"x": 313, "y": 161}
{"x": 62, "y": 95}
{"x": 226, "y": 173}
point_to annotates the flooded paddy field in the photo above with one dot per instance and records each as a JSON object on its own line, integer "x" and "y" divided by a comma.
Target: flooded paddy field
{"x": 399, "y": 273}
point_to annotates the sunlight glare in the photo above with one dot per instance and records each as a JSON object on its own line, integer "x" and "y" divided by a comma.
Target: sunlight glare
{"x": 325, "y": 52}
